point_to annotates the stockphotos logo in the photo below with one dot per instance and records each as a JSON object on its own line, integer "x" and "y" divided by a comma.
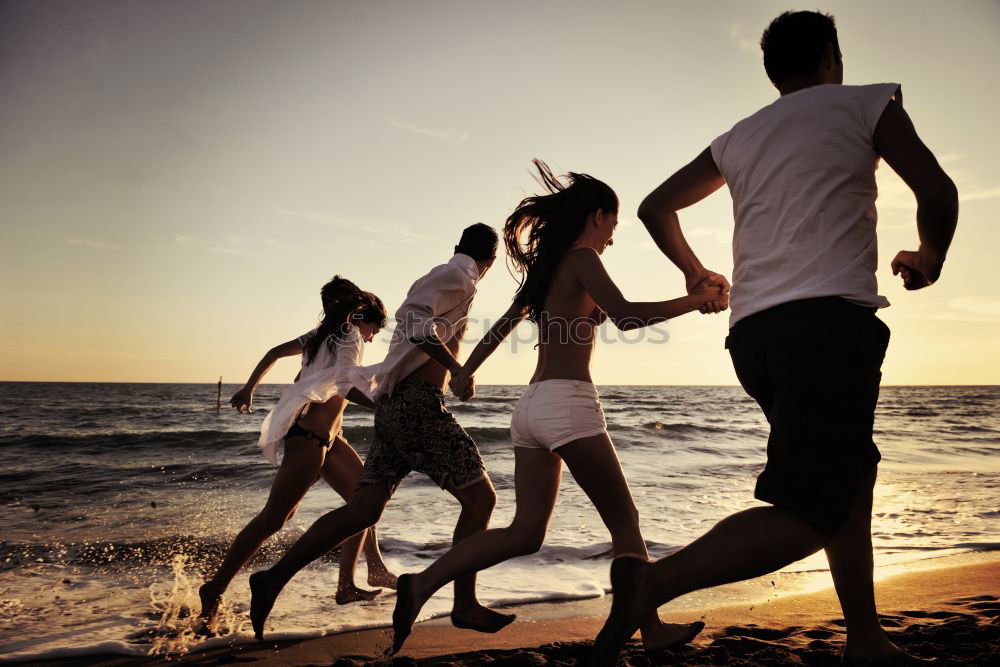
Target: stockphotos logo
{"x": 580, "y": 331}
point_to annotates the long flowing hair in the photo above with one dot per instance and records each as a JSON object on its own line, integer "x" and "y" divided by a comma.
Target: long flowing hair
{"x": 543, "y": 227}
{"x": 344, "y": 304}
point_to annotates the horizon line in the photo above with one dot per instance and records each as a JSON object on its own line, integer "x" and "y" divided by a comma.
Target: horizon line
{"x": 498, "y": 384}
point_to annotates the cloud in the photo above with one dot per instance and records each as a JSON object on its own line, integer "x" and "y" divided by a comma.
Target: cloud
{"x": 353, "y": 224}
{"x": 912, "y": 224}
{"x": 312, "y": 216}
{"x": 718, "y": 235}
{"x": 239, "y": 252}
{"x": 453, "y": 136}
{"x": 894, "y": 193}
{"x": 992, "y": 193}
{"x": 180, "y": 239}
{"x": 742, "y": 42}
{"x": 97, "y": 246}
{"x": 253, "y": 248}
{"x": 972, "y": 309}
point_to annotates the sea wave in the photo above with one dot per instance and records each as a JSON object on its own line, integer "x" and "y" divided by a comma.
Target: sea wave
{"x": 689, "y": 431}
{"x": 124, "y": 442}
{"x": 115, "y": 555}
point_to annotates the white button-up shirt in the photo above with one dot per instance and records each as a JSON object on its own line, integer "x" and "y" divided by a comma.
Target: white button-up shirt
{"x": 437, "y": 304}
{"x": 327, "y": 376}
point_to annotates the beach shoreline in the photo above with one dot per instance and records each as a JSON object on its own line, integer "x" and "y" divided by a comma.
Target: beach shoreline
{"x": 103, "y": 553}
{"x": 946, "y": 611}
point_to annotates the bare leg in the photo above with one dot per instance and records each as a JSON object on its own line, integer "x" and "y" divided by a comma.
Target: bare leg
{"x": 342, "y": 470}
{"x": 744, "y": 545}
{"x": 536, "y": 484}
{"x": 348, "y": 461}
{"x": 299, "y": 466}
{"x": 379, "y": 573}
{"x": 596, "y": 468}
{"x": 477, "y": 502}
{"x": 850, "y": 556}
{"x": 362, "y": 511}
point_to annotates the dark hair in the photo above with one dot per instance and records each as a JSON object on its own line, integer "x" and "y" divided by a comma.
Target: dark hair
{"x": 794, "y": 43}
{"x": 343, "y": 304}
{"x": 479, "y": 241}
{"x": 552, "y": 223}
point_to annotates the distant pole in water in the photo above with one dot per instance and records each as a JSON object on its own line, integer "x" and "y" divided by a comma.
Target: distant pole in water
{"x": 218, "y": 398}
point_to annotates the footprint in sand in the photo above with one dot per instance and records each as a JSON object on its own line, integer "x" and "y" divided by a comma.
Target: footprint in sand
{"x": 757, "y": 632}
{"x": 988, "y": 609}
{"x": 916, "y": 613}
{"x": 890, "y": 621}
{"x": 818, "y": 633}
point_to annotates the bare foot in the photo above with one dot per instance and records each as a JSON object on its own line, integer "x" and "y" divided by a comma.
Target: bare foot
{"x": 262, "y": 597}
{"x": 352, "y": 593}
{"x": 205, "y": 629}
{"x": 405, "y": 613}
{"x": 670, "y": 635}
{"x": 627, "y": 578}
{"x": 480, "y": 619}
{"x": 210, "y": 599}
{"x": 382, "y": 578}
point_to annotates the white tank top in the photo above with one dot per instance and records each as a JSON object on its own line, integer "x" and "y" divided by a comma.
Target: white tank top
{"x": 801, "y": 172}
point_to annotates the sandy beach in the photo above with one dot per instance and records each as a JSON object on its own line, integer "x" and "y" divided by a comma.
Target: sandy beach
{"x": 949, "y": 613}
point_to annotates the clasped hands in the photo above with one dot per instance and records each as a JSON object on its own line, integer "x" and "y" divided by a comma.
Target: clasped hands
{"x": 710, "y": 281}
{"x": 462, "y": 385}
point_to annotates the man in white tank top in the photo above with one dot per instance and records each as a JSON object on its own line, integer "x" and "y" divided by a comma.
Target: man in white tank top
{"x": 804, "y": 338}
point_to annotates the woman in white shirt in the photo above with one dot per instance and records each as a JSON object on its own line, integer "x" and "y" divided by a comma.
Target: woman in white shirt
{"x": 306, "y": 423}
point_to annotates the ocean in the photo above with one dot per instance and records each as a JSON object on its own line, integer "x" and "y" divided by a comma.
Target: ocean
{"x": 114, "y": 496}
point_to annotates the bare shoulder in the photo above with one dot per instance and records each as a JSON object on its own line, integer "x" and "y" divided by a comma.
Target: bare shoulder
{"x": 581, "y": 258}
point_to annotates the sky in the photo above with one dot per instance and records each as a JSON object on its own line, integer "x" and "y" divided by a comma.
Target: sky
{"x": 178, "y": 180}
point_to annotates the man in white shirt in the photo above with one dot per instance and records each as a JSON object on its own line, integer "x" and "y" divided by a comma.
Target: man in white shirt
{"x": 413, "y": 431}
{"x": 804, "y": 338}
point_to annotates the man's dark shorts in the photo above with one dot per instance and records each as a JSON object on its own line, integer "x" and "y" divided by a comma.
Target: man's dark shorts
{"x": 814, "y": 367}
{"x": 414, "y": 431}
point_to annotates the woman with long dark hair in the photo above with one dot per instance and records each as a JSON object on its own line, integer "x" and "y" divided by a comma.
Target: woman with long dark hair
{"x": 306, "y": 424}
{"x": 555, "y": 241}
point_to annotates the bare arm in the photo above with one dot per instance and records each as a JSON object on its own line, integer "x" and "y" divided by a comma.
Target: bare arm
{"x": 243, "y": 399}
{"x": 658, "y": 212}
{"x": 590, "y": 272}
{"x": 461, "y": 382}
{"x": 897, "y": 142}
{"x": 432, "y": 346}
{"x": 356, "y": 396}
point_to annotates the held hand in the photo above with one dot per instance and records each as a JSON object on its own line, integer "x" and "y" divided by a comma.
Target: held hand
{"x": 470, "y": 390}
{"x": 711, "y": 290}
{"x": 463, "y": 386}
{"x": 917, "y": 269}
{"x": 243, "y": 400}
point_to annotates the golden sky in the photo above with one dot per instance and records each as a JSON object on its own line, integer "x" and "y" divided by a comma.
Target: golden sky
{"x": 177, "y": 180}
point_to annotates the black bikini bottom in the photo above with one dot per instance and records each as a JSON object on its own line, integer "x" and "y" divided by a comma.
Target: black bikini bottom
{"x": 297, "y": 431}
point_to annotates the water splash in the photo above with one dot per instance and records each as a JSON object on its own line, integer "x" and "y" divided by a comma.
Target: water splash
{"x": 9, "y": 607}
{"x": 179, "y": 630}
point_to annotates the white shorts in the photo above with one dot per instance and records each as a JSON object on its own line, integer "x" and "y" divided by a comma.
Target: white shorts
{"x": 552, "y": 413}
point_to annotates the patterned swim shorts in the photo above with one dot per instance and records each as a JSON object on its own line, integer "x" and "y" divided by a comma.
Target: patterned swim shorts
{"x": 414, "y": 431}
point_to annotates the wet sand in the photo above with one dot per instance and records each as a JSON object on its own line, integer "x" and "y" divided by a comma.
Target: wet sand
{"x": 948, "y": 613}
